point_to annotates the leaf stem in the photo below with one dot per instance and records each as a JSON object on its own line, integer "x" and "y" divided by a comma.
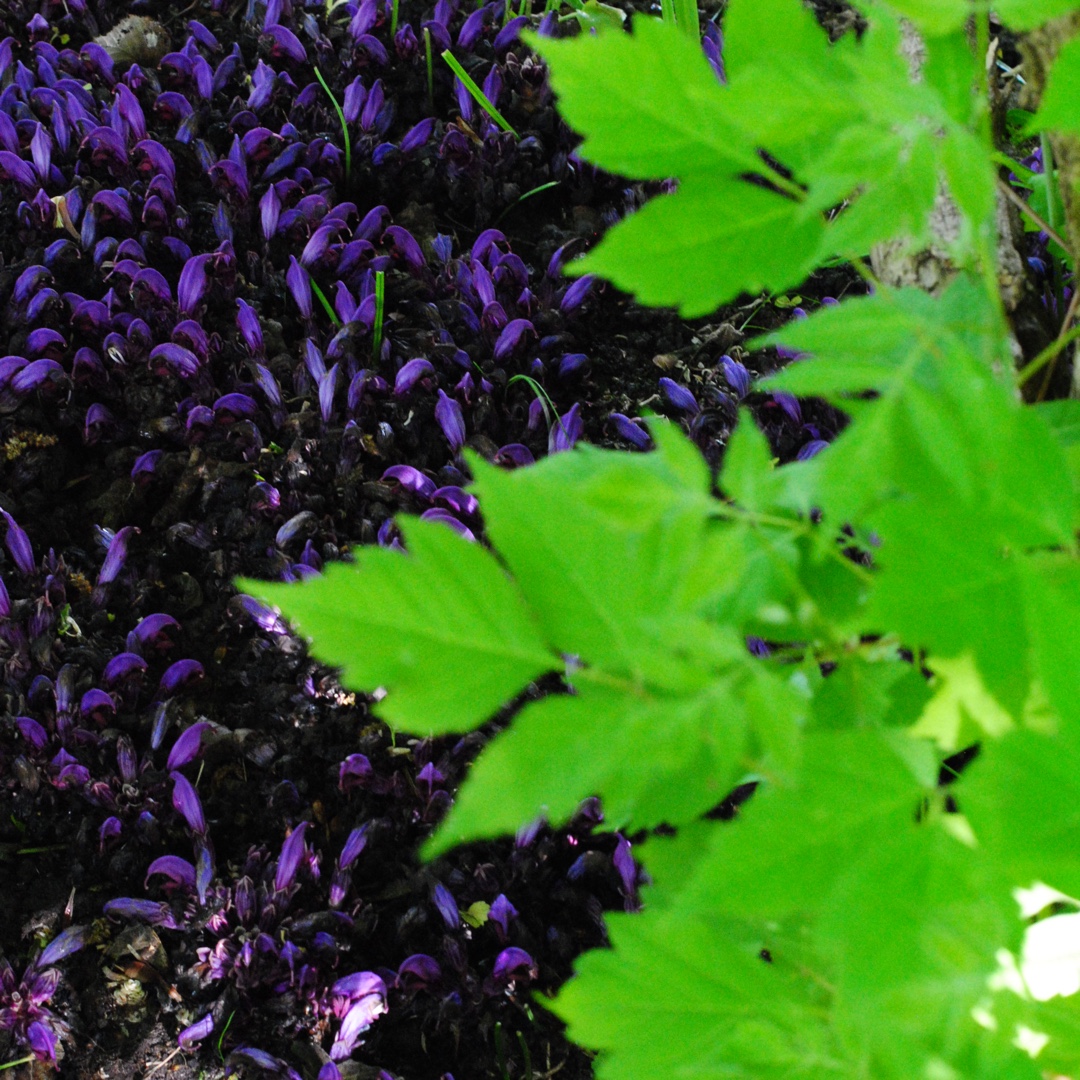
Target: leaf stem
{"x": 321, "y": 297}
{"x": 1031, "y": 214}
{"x": 1048, "y": 354}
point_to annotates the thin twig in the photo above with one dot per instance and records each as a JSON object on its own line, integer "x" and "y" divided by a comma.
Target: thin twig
{"x": 1028, "y": 212}
{"x": 1074, "y": 303}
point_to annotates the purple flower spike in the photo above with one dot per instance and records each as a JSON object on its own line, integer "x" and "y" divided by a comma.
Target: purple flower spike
{"x": 187, "y": 746}
{"x": 177, "y": 870}
{"x": 811, "y": 449}
{"x": 411, "y": 479}
{"x": 292, "y": 851}
{"x": 63, "y": 945}
{"x": 513, "y": 964}
{"x": 738, "y": 378}
{"x": 198, "y": 1031}
{"x": 18, "y": 544}
{"x": 116, "y": 555}
{"x": 448, "y": 414}
{"x": 418, "y": 969}
{"x": 296, "y": 278}
{"x": 630, "y": 431}
{"x": 575, "y": 295}
{"x": 679, "y": 396}
{"x": 122, "y": 667}
{"x": 410, "y": 373}
{"x": 512, "y": 335}
{"x": 447, "y": 906}
{"x": 186, "y": 803}
{"x": 566, "y": 431}
{"x": 790, "y": 404}
{"x": 357, "y": 1020}
{"x": 180, "y": 676}
{"x": 501, "y": 912}
{"x": 354, "y": 844}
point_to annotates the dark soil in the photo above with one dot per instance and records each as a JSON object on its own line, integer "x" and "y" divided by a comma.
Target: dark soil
{"x": 282, "y": 724}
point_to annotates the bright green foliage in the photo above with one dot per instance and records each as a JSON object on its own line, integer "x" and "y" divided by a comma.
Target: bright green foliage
{"x": 1059, "y": 109}
{"x": 856, "y": 919}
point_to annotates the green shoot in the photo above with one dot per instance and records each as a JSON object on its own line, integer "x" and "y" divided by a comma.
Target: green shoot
{"x": 686, "y": 18}
{"x": 541, "y": 395}
{"x": 15, "y": 1064}
{"x": 528, "y": 195}
{"x": 221, "y": 1037}
{"x": 430, "y": 70}
{"x": 341, "y": 120}
{"x": 393, "y": 18}
{"x": 478, "y": 95}
{"x": 327, "y": 306}
{"x": 380, "y": 310}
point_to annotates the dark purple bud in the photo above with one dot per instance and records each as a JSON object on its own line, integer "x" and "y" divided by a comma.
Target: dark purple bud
{"x": 18, "y": 544}
{"x": 235, "y": 407}
{"x": 121, "y": 667}
{"x": 193, "y": 284}
{"x": 97, "y": 705}
{"x": 244, "y": 900}
{"x": 411, "y": 479}
{"x": 292, "y": 851}
{"x": 630, "y": 431}
{"x": 174, "y": 358}
{"x": 405, "y": 246}
{"x": 624, "y": 864}
{"x": 738, "y": 378}
{"x": 811, "y": 449}
{"x": 35, "y": 375}
{"x": 185, "y": 800}
{"x": 789, "y": 403}
{"x": 513, "y": 334}
{"x": 286, "y": 45}
{"x": 512, "y": 964}
{"x": 509, "y": 33}
{"x": 175, "y": 869}
{"x": 576, "y": 294}
{"x": 266, "y": 382}
{"x": 354, "y": 844}
{"x": 150, "y": 158}
{"x": 418, "y": 969}
{"x": 29, "y": 281}
{"x": 153, "y": 632}
{"x": 269, "y": 212}
{"x": 566, "y": 430}
{"x": 439, "y": 514}
{"x": 679, "y": 396}
{"x": 116, "y": 556}
{"x": 457, "y": 499}
{"x": 63, "y": 945}
{"x": 758, "y": 647}
{"x": 374, "y": 48}
{"x": 145, "y": 465}
{"x": 410, "y": 373}
{"x": 109, "y": 829}
{"x": 417, "y": 136}
{"x": 43, "y": 1041}
{"x": 571, "y": 364}
{"x": 181, "y": 676}
{"x": 187, "y": 746}
{"x": 344, "y": 304}
{"x": 501, "y": 912}
{"x": 32, "y": 731}
{"x": 327, "y": 390}
{"x": 201, "y": 1029}
{"x": 299, "y": 284}
{"x": 447, "y": 906}
{"x": 514, "y": 456}
{"x": 14, "y": 169}
{"x": 354, "y": 772}
{"x": 46, "y": 342}
{"x": 472, "y": 28}
{"x": 355, "y": 96}
{"x": 449, "y": 417}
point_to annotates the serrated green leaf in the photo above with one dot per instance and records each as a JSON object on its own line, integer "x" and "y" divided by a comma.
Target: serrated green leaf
{"x": 1059, "y": 109}
{"x": 656, "y": 758}
{"x": 392, "y": 620}
{"x": 934, "y": 17}
{"x": 748, "y": 475}
{"x": 659, "y": 77}
{"x": 861, "y": 693}
{"x": 706, "y": 244}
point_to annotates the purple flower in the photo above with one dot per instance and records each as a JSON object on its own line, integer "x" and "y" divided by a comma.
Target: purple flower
{"x": 566, "y": 430}
{"x": 177, "y": 870}
{"x": 354, "y": 844}
{"x": 448, "y": 414}
{"x": 446, "y": 906}
{"x": 575, "y": 295}
{"x": 361, "y": 1015}
{"x": 410, "y": 373}
{"x": 187, "y": 746}
{"x": 185, "y": 800}
{"x": 292, "y": 851}
{"x": 679, "y": 396}
{"x": 411, "y": 479}
{"x": 630, "y": 431}
{"x": 116, "y": 556}
{"x": 296, "y": 278}
{"x": 196, "y": 1032}
{"x": 811, "y": 449}
{"x": 18, "y": 544}
{"x": 63, "y": 945}
{"x": 738, "y": 378}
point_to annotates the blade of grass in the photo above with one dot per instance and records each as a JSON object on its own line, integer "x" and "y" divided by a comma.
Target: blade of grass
{"x": 686, "y": 18}
{"x": 341, "y": 120}
{"x": 327, "y": 306}
{"x": 528, "y": 195}
{"x": 430, "y": 70}
{"x": 478, "y": 95}
{"x": 380, "y": 309}
{"x": 393, "y": 18}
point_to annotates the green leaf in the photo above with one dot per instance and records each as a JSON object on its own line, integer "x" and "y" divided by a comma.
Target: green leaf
{"x": 862, "y": 693}
{"x": 393, "y": 620}
{"x": 704, "y": 245}
{"x": 748, "y": 476}
{"x": 659, "y": 77}
{"x": 1028, "y": 14}
{"x": 1059, "y": 109}
{"x": 654, "y": 757}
